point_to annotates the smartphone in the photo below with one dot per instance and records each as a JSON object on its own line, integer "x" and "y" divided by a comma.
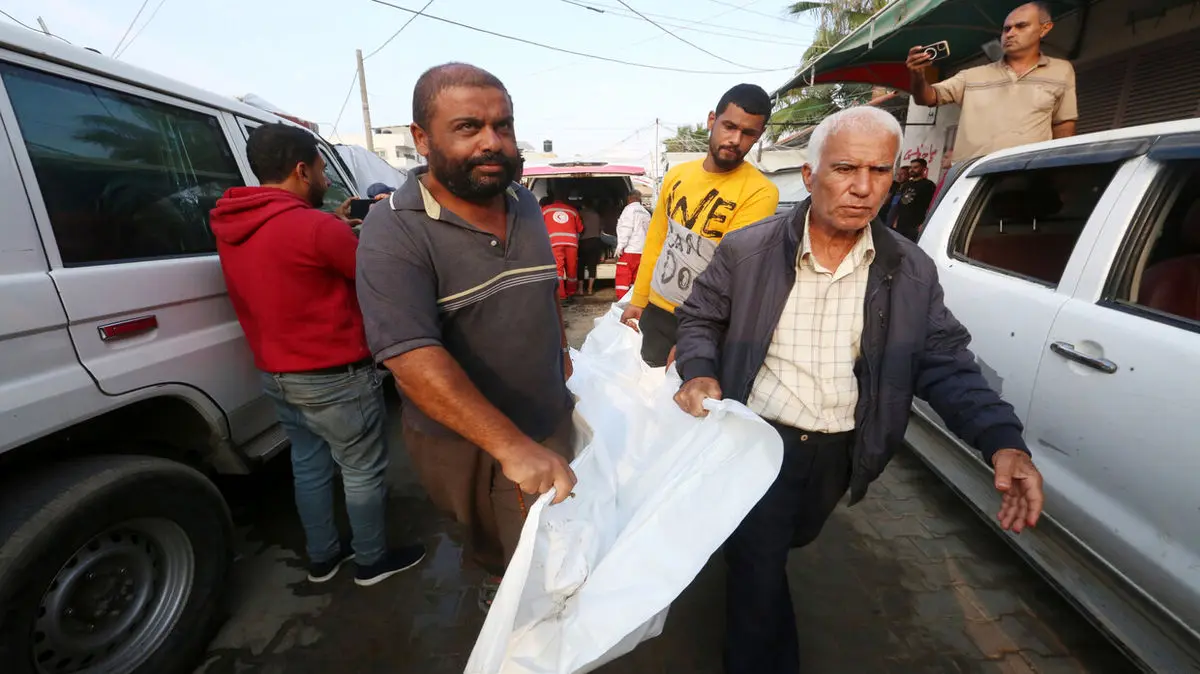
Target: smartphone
{"x": 359, "y": 208}
{"x": 938, "y": 50}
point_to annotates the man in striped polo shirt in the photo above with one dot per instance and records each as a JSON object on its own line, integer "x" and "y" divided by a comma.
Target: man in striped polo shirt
{"x": 457, "y": 283}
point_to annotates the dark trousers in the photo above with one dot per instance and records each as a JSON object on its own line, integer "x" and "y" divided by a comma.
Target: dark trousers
{"x": 591, "y": 250}
{"x": 760, "y": 635}
{"x": 658, "y": 327}
{"x": 466, "y": 481}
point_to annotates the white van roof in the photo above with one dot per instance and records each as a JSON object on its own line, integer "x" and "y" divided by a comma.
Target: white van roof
{"x": 32, "y": 43}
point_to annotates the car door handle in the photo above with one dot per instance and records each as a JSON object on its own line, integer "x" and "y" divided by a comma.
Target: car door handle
{"x": 129, "y": 328}
{"x": 1067, "y": 350}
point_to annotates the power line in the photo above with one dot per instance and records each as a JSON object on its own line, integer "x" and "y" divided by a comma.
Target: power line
{"x": 393, "y": 37}
{"x": 750, "y": 36}
{"x": 579, "y": 53}
{"x": 684, "y": 23}
{"x": 349, "y": 92}
{"x": 19, "y": 22}
{"x": 707, "y": 19}
{"x": 629, "y": 137}
{"x": 378, "y": 49}
{"x": 744, "y": 9}
{"x": 687, "y": 24}
{"x": 143, "y": 27}
{"x": 25, "y": 25}
{"x": 583, "y": 5}
{"x": 130, "y": 26}
{"x": 693, "y": 45}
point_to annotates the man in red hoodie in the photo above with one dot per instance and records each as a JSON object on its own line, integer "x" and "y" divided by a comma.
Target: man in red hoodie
{"x": 290, "y": 268}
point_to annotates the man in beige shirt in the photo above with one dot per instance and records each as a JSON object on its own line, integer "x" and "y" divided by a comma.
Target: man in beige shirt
{"x": 1026, "y": 97}
{"x": 827, "y": 323}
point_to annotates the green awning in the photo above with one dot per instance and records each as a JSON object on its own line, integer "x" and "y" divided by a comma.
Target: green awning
{"x": 875, "y": 52}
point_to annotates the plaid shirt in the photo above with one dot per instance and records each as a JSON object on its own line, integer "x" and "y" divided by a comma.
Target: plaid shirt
{"x": 807, "y": 379}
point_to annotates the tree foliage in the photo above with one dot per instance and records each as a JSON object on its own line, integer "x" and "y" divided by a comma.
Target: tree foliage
{"x": 807, "y": 106}
{"x": 689, "y": 138}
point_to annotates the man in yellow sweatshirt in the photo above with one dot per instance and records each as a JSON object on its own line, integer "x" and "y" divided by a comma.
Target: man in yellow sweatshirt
{"x": 698, "y": 203}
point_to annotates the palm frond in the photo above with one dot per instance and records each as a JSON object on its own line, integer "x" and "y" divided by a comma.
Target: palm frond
{"x": 797, "y": 8}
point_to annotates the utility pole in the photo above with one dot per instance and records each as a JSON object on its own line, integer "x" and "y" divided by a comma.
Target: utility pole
{"x": 657, "y": 164}
{"x": 362, "y": 87}
{"x": 43, "y": 25}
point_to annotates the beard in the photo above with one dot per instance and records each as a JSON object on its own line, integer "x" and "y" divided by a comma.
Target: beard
{"x": 459, "y": 177}
{"x": 316, "y": 195}
{"x": 714, "y": 151}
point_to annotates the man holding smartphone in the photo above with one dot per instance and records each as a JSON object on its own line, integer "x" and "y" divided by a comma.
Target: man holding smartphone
{"x": 290, "y": 270}
{"x": 1026, "y": 97}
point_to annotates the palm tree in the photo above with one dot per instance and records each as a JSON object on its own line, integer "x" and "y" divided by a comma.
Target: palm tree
{"x": 836, "y": 18}
{"x": 806, "y": 106}
{"x": 688, "y": 138}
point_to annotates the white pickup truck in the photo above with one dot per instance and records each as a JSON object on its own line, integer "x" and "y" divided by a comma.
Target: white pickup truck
{"x": 1076, "y": 266}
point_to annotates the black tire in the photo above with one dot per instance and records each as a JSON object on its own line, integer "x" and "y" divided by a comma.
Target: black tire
{"x": 50, "y": 519}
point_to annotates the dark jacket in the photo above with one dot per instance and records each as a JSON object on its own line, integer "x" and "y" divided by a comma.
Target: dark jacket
{"x": 911, "y": 343}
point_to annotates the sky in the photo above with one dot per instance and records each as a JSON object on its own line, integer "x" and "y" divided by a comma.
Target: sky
{"x": 299, "y": 55}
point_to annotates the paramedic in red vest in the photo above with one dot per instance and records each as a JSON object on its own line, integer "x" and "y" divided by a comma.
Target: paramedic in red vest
{"x": 564, "y": 225}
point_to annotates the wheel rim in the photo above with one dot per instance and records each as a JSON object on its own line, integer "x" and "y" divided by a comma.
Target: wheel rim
{"x": 111, "y": 606}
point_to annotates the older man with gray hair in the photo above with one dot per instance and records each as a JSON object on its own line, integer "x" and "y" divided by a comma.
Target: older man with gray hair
{"x": 827, "y": 323}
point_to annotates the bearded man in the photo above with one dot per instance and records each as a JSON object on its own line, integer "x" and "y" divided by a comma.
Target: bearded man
{"x": 457, "y": 284}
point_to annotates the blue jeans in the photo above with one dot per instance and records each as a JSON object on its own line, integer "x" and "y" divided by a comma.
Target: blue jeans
{"x": 336, "y": 420}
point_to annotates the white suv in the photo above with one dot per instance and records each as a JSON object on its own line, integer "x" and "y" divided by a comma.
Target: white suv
{"x": 124, "y": 376}
{"x": 1076, "y": 266}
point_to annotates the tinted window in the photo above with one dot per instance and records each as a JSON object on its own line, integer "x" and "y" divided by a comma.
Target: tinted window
{"x": 1027, "y": 222}
{"x": 338, "y": 190}
{"x": 1161, "y": 259}
{"x": 124, "y": 178}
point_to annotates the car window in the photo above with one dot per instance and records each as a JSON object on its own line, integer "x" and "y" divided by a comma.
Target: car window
{"x": 339, "y": 191}
{"x": 124, "y": 178}
{"x": 957, "y": 170}
{"x": 1158, "y": 271}
{"x": 1026, "y": 223}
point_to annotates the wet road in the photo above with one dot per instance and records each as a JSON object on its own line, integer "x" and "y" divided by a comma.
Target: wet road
{"x": 907, "y": 581}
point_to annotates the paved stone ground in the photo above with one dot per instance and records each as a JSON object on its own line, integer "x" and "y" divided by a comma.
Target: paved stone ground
{"x": 909, "y": 580}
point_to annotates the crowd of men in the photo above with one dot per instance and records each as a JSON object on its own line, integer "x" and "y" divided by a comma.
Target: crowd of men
{"x": 909, "y": 199}
{"x": 826, "y": 321}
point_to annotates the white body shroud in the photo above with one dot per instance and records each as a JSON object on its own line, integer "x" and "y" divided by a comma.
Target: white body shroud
{"x": 659, "y": 491}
